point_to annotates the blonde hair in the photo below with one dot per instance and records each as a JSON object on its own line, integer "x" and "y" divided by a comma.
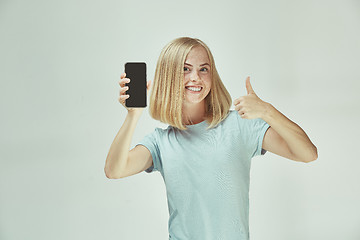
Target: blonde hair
{"x": 167, "y": 91}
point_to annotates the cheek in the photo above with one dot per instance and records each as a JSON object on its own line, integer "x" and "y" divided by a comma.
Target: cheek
{"x": 208, "y": 83}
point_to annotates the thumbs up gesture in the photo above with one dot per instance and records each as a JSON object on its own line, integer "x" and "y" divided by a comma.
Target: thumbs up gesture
{"x": 250, "y": 106}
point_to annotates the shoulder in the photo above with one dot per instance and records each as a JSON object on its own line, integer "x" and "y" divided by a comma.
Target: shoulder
{"x": 233, "y": 113}
{"x": 155, "y": 134}
{"x": 233, "y": 117}
{"x": 229, "y": 123}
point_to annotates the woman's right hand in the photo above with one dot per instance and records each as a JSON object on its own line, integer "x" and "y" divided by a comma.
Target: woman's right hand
{"x": 124, "y": 96}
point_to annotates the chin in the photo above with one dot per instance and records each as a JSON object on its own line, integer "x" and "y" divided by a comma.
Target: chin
{"x": 189, "y": 101}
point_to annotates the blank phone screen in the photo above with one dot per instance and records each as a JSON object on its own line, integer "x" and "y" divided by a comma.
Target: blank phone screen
{"x": 136, "y": 71}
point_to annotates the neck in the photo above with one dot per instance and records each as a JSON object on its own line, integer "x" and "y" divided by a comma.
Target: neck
{"x": 194, "y": 113}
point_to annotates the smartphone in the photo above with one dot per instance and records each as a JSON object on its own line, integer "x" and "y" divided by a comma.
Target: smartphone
{"x": 136, "y": 71}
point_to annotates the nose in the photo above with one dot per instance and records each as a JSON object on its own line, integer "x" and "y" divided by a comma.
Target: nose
{"x": 194, "y": 76}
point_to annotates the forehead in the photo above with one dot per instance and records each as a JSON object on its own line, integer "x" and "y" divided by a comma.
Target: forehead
{"x": 198, "y": 53}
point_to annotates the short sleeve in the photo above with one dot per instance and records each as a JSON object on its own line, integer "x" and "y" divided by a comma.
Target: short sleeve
{"x": 150, "y": 141}
{"x": 253, "y": 132}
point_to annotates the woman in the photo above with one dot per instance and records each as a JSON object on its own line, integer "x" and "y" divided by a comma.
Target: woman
{"x": 204, "y": 155}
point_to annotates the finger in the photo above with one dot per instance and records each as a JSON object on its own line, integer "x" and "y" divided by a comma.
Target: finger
{"x": 238, "y": 100}
{"x": 123, "y": 97}
{"x": 238, "y": 107}
{"x": 123, "y": 81}
{"x": 122, "y": 75}
{"x": 148, "y": 85}
{"x": 123, "y": 90}
{"x": 241, "y": 113}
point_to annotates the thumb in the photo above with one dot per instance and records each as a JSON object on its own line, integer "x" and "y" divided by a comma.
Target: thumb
{"x": 249, "y": 88}
{"x": 148, "y": 85}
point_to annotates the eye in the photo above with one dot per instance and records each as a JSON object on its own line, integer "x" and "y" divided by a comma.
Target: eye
{"x": 201, "y": 69}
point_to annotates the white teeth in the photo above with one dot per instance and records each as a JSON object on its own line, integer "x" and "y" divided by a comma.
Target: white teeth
{"x": 194, "y": 89}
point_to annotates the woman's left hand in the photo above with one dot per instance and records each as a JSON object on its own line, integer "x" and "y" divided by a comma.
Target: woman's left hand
{"x": 250, "y": 106}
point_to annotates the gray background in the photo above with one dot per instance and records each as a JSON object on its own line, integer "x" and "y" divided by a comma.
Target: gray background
{"x": 60, "y": 66}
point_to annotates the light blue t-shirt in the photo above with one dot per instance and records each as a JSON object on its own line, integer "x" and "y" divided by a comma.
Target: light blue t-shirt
{"x": 207, "y": 176}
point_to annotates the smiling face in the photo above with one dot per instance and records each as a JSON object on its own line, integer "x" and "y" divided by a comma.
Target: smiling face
{"x": 197, "y": 73}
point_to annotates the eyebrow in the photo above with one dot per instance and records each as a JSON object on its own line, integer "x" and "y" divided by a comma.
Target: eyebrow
{"x": 200, "y": 65}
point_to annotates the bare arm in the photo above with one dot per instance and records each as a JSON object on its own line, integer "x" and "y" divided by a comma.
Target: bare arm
{"x": 117, "y": 157}
{"x": 286, "y": 138}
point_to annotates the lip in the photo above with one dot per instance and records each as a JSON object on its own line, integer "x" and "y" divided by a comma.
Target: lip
{"x": 195, "y": 92}
{"x": 194, "y": 86}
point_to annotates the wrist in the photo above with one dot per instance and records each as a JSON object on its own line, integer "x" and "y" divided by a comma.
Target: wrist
{"x": 268, "y": 109}
{"x": 135, "y": 113}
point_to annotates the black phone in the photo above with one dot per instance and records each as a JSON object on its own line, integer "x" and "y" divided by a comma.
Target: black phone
{"x": 136, "y": 71}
